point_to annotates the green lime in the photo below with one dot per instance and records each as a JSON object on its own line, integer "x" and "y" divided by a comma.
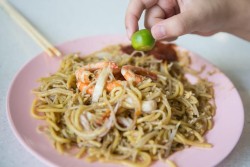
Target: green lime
{"x": 143, "y": 40}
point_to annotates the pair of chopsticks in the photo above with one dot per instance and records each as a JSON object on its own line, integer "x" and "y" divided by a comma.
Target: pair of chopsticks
{"x": 34, "y": 34}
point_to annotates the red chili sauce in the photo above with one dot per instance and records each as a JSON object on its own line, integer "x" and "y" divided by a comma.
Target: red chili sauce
{"x": 161, "y": 51}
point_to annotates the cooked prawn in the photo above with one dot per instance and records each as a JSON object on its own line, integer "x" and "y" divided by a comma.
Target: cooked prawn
{"x": 89, "y": 89}
{"x": 81, "y": 86}
{"x": 111, "y": 85}
{"x": 84, "y": 74}
{"x": 99, "y": 65}
{"x": 136, "y": 74}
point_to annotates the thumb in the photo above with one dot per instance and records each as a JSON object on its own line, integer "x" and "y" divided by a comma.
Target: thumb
{"x": 175, "y": 26}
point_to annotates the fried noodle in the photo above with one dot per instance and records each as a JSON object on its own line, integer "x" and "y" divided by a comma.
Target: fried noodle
{"x": 134, "y": 123}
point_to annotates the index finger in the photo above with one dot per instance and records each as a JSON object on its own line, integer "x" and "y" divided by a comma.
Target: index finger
{"x": 133, "y": 14}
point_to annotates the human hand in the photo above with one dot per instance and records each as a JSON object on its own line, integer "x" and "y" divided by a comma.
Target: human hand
{"x": 169, "y": 19}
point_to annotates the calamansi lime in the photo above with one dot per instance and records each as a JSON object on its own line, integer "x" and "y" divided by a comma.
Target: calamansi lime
{"x": 143, "y": 40}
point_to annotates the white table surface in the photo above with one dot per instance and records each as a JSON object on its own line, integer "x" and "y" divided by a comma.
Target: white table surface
{"x": 61, "y": 21}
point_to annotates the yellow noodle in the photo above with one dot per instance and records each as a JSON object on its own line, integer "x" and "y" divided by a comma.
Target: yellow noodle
{"x": 59, "y": 147}
{"x": 50, "y": 110}
{"x": 136, "y": 91}
{"x": 81, "y": 153}
{"x": 192, "y": 143}
{"x": 199, "y": 137}
{"x": 51, "y": 116}
{"x": 34, "y": 113}
{"x": 52, "y": 124}
{"x": 58, "y": 138}
{"x": 170, "y": 163}
{"x": 210, "y": 124}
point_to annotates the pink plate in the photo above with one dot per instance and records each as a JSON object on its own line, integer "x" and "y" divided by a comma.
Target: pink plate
{"x": 228, "y": 121}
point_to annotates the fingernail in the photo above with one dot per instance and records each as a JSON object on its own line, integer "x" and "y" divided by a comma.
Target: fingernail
{"x": 129, "y": 33}
{"x": 158, "y": 32}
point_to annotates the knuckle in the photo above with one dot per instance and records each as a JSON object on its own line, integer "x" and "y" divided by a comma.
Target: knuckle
{"x": 149, "y": 3}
